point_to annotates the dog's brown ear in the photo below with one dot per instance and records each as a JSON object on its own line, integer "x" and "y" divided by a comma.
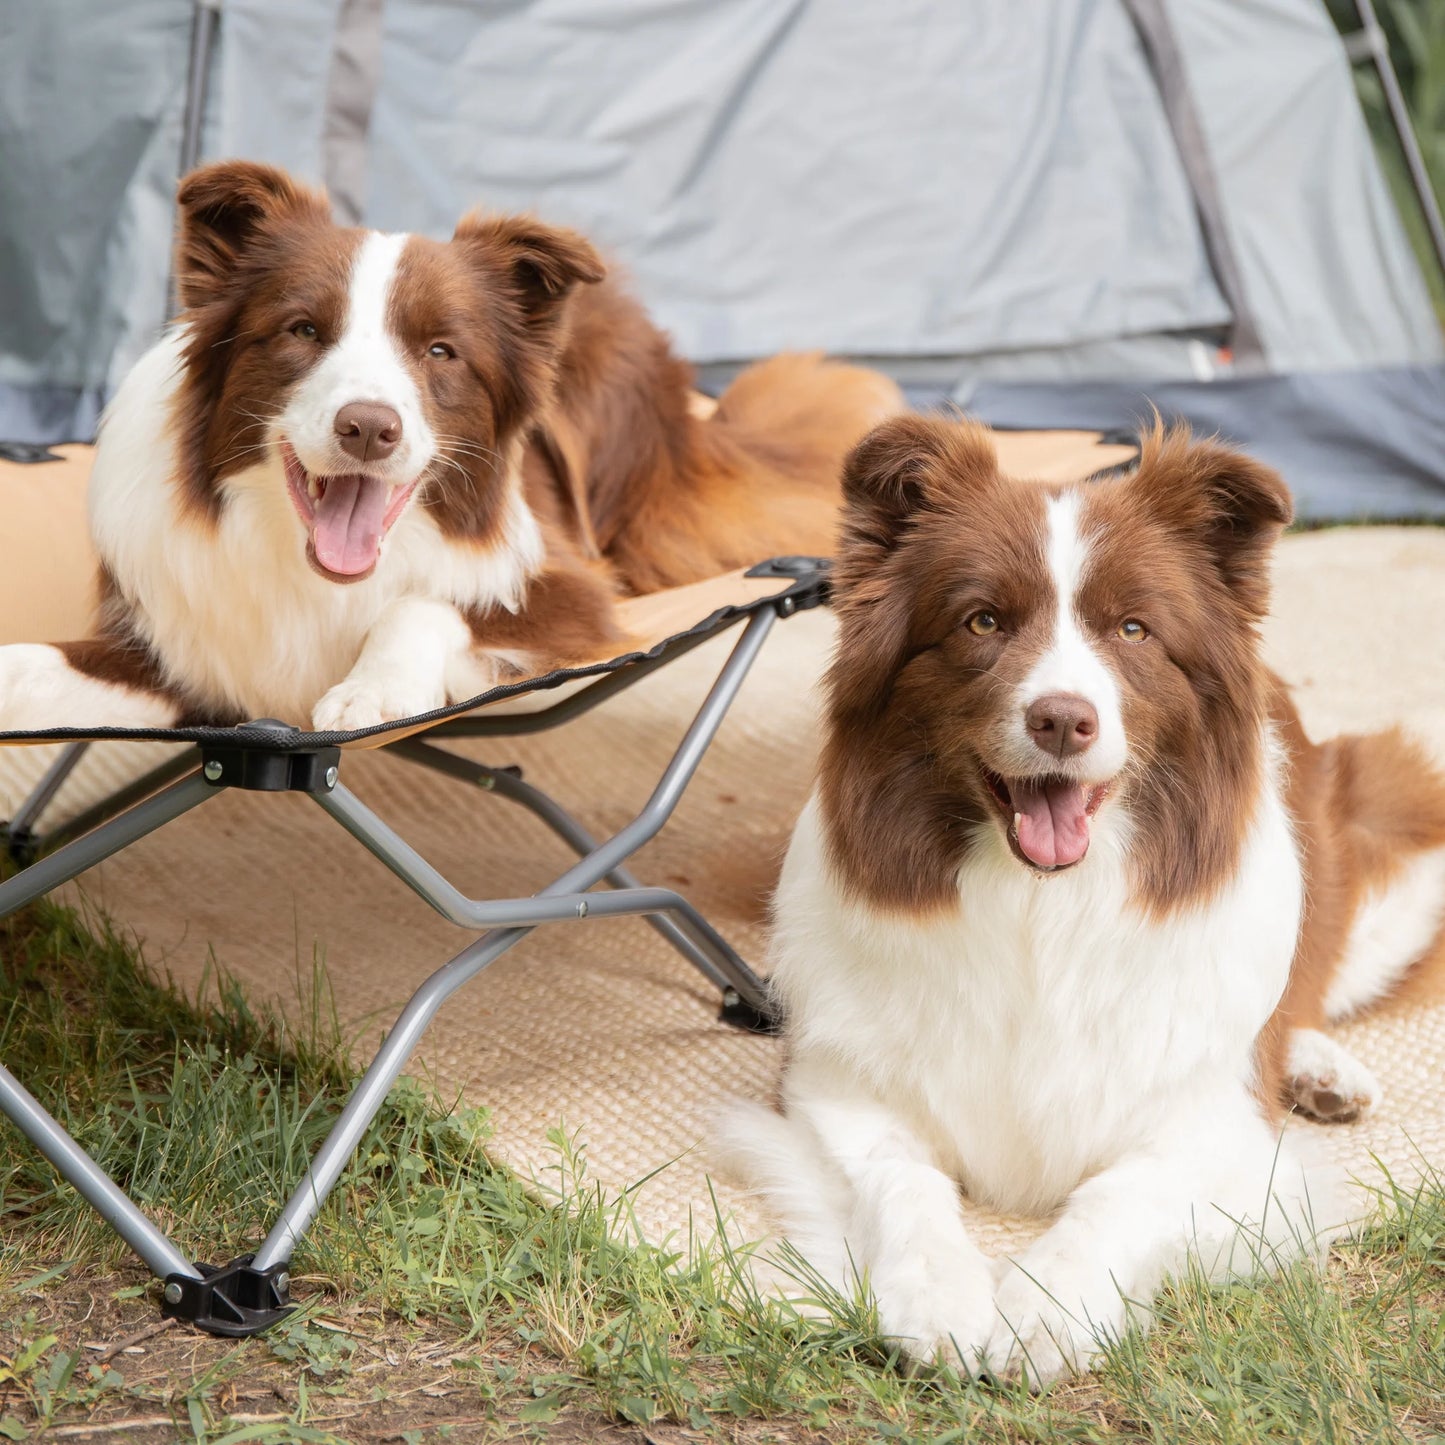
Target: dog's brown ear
{"x": 223, "y": 209}
{"x": 544, "y": 263}
{"x": 906, "y": 465}
{"x": 1235, "y": 506}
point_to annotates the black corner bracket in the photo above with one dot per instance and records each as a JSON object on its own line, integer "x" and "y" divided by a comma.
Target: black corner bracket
{"x": 258, "y": 770}
{"x": 20, "y": 843}
{"x": 232, "y": 1299}
{"x": 27, "y": 452}
{"x": 810, "y": 582}
{"x": 805, "y": 567}
{"x": 749, "y": 1017}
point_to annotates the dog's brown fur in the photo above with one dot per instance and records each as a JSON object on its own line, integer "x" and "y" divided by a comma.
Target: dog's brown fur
{"x": 667, "y": 497}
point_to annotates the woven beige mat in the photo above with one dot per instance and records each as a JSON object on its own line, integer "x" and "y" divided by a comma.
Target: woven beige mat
{"x": 599, "y": 1026}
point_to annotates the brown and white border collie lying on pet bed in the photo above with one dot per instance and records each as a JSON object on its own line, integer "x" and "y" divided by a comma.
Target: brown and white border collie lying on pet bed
{"x": 368, "y": 475}
{"x": 1071, "y": 902}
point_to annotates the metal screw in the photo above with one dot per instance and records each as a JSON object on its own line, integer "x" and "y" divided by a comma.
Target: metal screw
{"x": 213, "y": 771}
{"x": 173, "y": 1294}
{"x": 283, "y": 1282}
{"x": 582, "y": 909}
{"x": 332, "y": 773}
{"x": 787, "y": 607}
{"x": 731, "y": 998}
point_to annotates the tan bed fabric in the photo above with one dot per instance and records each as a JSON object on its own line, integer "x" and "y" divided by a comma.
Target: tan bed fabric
{"x": 1058, "y": 456}
{"x": 599, "y": 1024}
{"x": 47, "y": 565}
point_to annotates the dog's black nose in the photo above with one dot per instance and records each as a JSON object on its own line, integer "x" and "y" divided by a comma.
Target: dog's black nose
{"x": 368, "y": 430}
{"x": 1062, "y": 723}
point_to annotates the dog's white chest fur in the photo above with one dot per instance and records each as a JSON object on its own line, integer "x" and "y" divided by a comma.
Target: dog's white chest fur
{"x": 1036, "y": 1034}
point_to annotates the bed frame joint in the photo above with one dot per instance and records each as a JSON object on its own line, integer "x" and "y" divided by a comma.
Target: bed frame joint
{"x": 257, "y": 770}
{"x": 233, "y": 1299}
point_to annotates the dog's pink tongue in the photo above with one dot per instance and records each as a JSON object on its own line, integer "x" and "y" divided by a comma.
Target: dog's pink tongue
{"x": 349, "y": 516}
{"x": 1052, "y": 828}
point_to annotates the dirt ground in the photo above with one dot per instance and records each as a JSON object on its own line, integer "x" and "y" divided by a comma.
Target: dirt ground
{"x": 378, "y": 1378}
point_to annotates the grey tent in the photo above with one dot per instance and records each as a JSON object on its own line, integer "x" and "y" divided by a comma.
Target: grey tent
{"x": 1050, "y": 212}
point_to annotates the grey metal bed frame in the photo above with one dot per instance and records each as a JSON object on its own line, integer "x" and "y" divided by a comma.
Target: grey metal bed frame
{"x": 252, "y": 1292}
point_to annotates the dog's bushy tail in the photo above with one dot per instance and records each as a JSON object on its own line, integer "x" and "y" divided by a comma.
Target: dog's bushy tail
{"x": 799, "y": 415}
{"x": 758, "y": 476}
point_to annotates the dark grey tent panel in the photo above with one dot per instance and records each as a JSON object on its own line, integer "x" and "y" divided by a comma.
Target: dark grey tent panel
{"x": 1051, "y": 213}
{"x": 1363, "y": 444}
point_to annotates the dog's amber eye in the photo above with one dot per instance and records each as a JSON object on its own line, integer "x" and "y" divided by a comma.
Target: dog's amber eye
{"x": 982, "y": 623}
{"x": 305, "y": 330}
{"x": 440, "y": 351}
{"x": 1132, "y": 630}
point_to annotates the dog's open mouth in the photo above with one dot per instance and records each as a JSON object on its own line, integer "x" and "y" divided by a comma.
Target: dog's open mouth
{"x": 346, "y": 517}
{"x": 1047, "y": 819}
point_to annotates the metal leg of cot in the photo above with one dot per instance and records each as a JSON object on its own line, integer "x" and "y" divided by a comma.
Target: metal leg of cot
{"x": 186, "y": 761}
{"x": 565, "y": 897}
{"x": 20, "y": 830}
{"x": 251, "y": 1293}
{"x": 18, "y": 1104}
{"x": 75, "y": 1166}
{"x": 508, "y": 783}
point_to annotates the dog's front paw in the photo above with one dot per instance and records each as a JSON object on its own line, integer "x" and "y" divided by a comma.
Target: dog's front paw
{"x": 944, "y": 1319}
{"x": 366, "y": 700}
{"x": 1326, "y": 1081}
{"x": 1050, "y": 1321}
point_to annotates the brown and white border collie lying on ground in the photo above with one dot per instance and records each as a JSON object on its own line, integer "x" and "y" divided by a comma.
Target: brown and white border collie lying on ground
{"x": 368, "y": 474}
{"x": 1072, "y": 900}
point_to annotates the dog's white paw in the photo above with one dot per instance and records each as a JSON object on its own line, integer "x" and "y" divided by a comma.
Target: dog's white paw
{"x": 939, "y": 1317}
{"x": 365, "y": 700}
{"x": 1326, "y": 1081}
{"x": 1052, "y": 1319}
{"x": 17, "y": 667}
{"x": 39, "y": 690}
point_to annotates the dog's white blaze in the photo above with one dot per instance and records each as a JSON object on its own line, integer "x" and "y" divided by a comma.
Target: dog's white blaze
{"x": 364, "y": 365}
{"x": 1391, "y": 931}
{"x": 1071, "y": 664}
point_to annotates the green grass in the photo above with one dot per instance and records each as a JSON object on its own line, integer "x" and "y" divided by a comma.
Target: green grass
{"x": 435, "y": 1284}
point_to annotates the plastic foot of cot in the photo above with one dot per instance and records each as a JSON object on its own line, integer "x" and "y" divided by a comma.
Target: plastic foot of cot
{"x": 740, "y": 1014}
{"x": 232, "y": 1299}
{"x": 20, "y": 844}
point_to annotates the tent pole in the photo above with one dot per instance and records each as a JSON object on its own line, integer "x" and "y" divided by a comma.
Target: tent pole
{"x": 1377, "y": 47}
{"x": 198, "y": 84}
{"x": 203, "y": 35}
{"x": 1165, "y": 60}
